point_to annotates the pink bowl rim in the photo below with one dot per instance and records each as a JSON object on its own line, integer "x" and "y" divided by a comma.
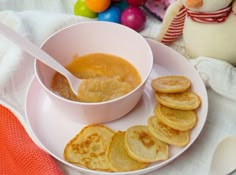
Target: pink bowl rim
{"x": 105, "y": 102}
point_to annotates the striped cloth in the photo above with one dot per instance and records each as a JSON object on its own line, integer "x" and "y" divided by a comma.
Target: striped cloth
{"x": 175, "y": 29}
{"x": 213, "y": 17}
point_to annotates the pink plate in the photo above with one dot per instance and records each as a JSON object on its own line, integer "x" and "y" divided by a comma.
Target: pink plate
{"x": 54, "y": 129}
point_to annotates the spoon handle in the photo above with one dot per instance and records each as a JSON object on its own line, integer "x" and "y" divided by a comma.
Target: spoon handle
{"x": 32, "y": 49}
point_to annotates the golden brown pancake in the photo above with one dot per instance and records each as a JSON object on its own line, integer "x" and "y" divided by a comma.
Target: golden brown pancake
{"x": 175, "y": 118}
{"x": 166, "y": 133}
{"x": 184, "y": 101}
{"x": 141, "y": 145}
{"x": 171, "y": 84}
{"x": 88, "y": 148}
{"x": 118, "y": 157}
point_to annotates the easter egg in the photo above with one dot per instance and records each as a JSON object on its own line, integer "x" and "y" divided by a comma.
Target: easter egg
{"x": 98, "y": 5}
{"x": 80, "y": 9}
{"x": 136, "y": 2}
{"x": 112, "y": 14}
{"x": 122, "y": 4}
{"x": 134, "y": 18}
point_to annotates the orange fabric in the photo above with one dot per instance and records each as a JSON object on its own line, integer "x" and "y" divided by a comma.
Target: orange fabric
{"x": 19, "y": 155}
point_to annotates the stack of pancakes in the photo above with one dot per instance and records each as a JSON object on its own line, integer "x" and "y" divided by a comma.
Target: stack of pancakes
{"x": 98, "y": 147}
{"x": 175, "y": 113}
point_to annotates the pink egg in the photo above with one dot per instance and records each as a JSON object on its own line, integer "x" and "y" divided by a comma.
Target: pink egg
{"x": 134, "y": 18}
{"x": 136, "y": 3}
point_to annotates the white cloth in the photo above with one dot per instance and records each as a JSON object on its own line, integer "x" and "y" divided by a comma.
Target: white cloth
{"x": 36, "y": 20}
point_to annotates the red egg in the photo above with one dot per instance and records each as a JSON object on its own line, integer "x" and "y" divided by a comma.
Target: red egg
{"x": 136, "y": 2}
{"x": 134, "y": 18}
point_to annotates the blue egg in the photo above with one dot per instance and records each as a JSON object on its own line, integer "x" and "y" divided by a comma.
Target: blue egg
{"x": 112, "y": 14}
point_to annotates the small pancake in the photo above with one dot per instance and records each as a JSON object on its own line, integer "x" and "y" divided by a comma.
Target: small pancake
{"x": 171, "y": 84}
{"x": 88, "y": 148}
{"x": 175, "y": 118}
{"x": 118, "y": 156}
{"x": 166, "y": 133}
{"x": 184, "y": 101}
{"x": 142, "y": 146}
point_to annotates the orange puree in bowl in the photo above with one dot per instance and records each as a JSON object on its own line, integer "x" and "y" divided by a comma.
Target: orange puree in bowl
{"x": 105, "y": 77}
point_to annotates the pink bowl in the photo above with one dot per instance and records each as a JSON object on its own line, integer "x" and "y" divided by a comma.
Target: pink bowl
{"x": 94, "y": 37}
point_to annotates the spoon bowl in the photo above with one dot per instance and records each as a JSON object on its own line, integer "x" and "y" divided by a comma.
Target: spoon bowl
{"x": 41, "y": 55}
{"x": 224, "y": 157}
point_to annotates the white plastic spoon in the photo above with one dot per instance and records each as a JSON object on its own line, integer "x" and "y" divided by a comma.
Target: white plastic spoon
{"x": 224, "y": 158}
{"x": 40, "y": 55}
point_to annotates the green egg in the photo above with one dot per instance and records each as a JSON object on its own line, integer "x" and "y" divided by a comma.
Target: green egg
{"x": 80, "y": 9}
